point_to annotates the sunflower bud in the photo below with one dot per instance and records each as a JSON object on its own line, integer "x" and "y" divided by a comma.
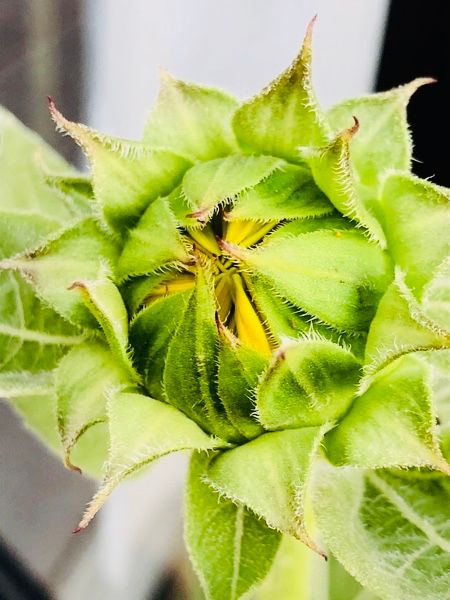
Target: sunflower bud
{"x": 258, "y": 280}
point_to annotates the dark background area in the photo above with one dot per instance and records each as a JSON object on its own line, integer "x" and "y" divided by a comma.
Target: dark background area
{"x": 417, "y": 44}
{"x": 39, "y": 38}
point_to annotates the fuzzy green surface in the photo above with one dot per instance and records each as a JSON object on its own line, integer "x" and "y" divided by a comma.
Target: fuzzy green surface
{"x": 266, "y": 286}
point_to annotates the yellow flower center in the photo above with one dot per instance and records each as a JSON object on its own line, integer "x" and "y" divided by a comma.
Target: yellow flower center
{"x": 235, "y": 307}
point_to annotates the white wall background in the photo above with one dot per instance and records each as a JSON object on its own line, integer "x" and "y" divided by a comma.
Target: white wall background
{"x": 239, "y": 45}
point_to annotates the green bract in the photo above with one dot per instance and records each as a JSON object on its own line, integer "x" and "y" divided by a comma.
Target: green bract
{"x": 266, "y": 286}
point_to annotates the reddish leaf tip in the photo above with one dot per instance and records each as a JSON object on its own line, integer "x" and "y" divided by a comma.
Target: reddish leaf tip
{"x": 230, "y": 248}
{"x": 77, "y": 529}
{"x": 77, "y": 285}
{"x": 199, "y": 215}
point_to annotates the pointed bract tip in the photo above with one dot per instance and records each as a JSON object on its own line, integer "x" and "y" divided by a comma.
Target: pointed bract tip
{"x": 69, "y": 465}
{"x": 226, "y": 333}
{"x": 355, "y": 125}
{"x": 164, "y": 75}
{"x": 76, "y": 285}
{"x": 231, "y": 249}
{"x": 53, "y": 108}
{"x": 347, "y": 134}
{"x": 200, "y": 215}
{"x": 77, "y": 529}
{"x": 309, "y": 33}
{"x": 311, "y": 23}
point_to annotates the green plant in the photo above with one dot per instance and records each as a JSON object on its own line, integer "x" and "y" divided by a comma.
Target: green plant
{"x": 267, "y": 286}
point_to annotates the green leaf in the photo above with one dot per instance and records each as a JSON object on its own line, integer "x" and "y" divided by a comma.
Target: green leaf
{"x": 230, "y": 548}
{"x": 439, "y": 363}
{"x": 32, "y": 336}
{"x": 383, "y": 141}
{"x": 138, "y": 429}
{"x": 153, "y": 244}
{"x": 150, "y": 334}
{"x": 239, "y": 369}
{"x": 390, "y": 533}
{"x": 104, "y": 301}
{"x": 191, "y": 120}
{"x": 397, "y": 329}
{"x": 289, "y": 193}
{"x": 207, "y": 185}
{"x": 83, "y": 378}
{"x": 392, "y": 424}
{"x": 136, "y": 291}
{"x": 75, "y": 188}
{"x": 79, "y": 253}
{"x": 191, "y": 364}
{"x": 336, "y": 276}
{"x": 33, "y": 397}
{"x": 29, "y": 210}
{"x": 284, "y": 320}
{"x": 127, "y": 176}
{"x": 292, "y": 229}
{"x": 39, "y": 416}
{"x": 436, "y": 296}
{"x": 285, "y": 114}
{"x": 310, "y": 382}
{"x": 270, "y": 476}
{"x": 417, "y": 221}
{"x": 15, "y": 384}
{"x": 299, "y": 574}
{"x": 333, "y": 172}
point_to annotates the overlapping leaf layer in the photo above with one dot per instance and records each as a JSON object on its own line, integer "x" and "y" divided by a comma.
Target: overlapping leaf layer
{"x": 264, "y": 285}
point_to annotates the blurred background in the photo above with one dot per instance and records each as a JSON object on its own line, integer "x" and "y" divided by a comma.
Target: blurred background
{"x": 99, "y": 59}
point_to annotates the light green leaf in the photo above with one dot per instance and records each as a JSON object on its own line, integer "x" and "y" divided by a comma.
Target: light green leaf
{"x": 136, "y": 291}
{"x": 142, "y": 429}
{"x": 392, "y": 424}
{"x": 299, "y": 574}
{"x": 153, "y": 244}
{"x": 310, "y": 382}
{"x": 336, "y": 276}
{"x": 190, "y": 371}
{"x": 79, "y": 253}
{"x": 289, "y": 193}
{"x": 29, "y": 210}
{"x": 104, "y": 301}
{"x": 439, "y": 363}
{"x": 76, "y": 188}
{"x": 207, "y": 185}
{"x": 334, "y": 174}
{"x": 383, "y": 141}
{"x": 150, "y": 334}
{"x": 285, "y": 114}
{"x": 284, "y": 320}
{"x": 397, "y": 329}
{"x": 127, "y": 176}
{"x": 417, "y": 221}
{"x": 38, "y": 414}
{"x": 32, "y": 336}
{"x": 231, "y": 549}
{"x": 83, "y": 378}
{"x": 33, "y": 397}
{"x": 15, "y": 384}
{"x": 291, "y": 229}
{"x": 191, "y": 120}
{"x": 390, "y": 533}
{"x": 436, "y": 296}
{"x": 270, "y": 476}
{"x": 239, "y": 369}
